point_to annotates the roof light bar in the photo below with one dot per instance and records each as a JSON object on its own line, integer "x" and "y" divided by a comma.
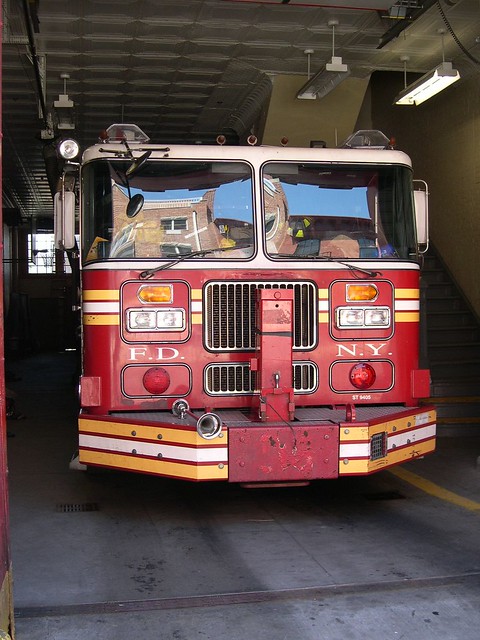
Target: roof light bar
{"x": 127, "y": 132}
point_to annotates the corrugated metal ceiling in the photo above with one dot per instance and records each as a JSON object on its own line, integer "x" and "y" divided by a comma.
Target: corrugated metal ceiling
{"x": 185, "y": 71}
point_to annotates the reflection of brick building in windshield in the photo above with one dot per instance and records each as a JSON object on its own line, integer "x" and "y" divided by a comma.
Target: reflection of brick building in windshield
{"x": 276, "y": 214}
{"x": 297, "y": 227}
{"x": 172, "y": 227}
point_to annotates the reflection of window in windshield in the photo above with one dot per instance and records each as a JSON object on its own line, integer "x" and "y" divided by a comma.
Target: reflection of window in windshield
{"x": 187, "y": 207}
{"x": 174, "y": 225}
{"x": 316, "y": 211}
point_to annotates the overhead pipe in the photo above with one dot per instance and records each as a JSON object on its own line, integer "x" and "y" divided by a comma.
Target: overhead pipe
{"x": 401, "y": 25}
{"x": 36, "y": 66}
{"x": 367, "y": 5}
{"x": 379, "y": 6}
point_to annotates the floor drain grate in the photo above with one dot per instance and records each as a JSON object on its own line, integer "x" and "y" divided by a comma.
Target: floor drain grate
{"x": 71, "y": 508}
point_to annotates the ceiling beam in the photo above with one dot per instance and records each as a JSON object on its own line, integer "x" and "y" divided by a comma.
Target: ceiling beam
{"x": 401, "y": 25}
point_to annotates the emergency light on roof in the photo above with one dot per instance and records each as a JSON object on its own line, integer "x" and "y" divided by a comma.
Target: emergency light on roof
{"x": 126, "y": 132}
{"x": 366, "y": 138}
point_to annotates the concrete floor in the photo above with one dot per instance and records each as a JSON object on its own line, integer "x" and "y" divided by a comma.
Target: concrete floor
{"x": 115, "y": 556}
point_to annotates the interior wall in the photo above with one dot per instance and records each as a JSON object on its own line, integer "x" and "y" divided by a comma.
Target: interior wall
{"x": 7, "y": 267}
{"x": 39, "y": 315}
{"x": 304, "y": 120}
{"x": 442, "y": 136}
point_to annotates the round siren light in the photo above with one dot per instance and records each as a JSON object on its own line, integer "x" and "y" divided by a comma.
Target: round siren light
{"x": 156, "y": 380}
{"x": 362, "y": 375}
{"x": 252, "y": 140}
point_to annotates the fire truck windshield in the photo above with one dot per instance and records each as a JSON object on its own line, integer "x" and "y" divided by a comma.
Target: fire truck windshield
{"x": 167, "y": 209}
{"x": 338, "y": 211}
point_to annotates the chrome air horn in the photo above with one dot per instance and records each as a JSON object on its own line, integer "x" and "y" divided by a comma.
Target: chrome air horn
{"x": 209, "y": 425}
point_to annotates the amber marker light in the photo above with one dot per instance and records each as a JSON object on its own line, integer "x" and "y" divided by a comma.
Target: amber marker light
{"x": 159, "y": 293}
{"x": 361, "y": 292}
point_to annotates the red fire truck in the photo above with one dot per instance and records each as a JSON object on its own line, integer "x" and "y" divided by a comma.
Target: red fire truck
{"x": 249, "y": 313}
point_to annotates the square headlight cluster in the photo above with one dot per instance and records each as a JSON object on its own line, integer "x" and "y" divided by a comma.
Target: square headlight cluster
{"x": 364, "y": 317}
{"x": 156, "y": 319}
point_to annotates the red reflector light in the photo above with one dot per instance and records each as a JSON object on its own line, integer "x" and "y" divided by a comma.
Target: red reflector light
{"x": 156, "y": 380}
{"x": 362, "y": 375}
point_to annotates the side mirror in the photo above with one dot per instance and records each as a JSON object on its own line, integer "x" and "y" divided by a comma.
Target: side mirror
{"x": 421, "y": 214}
{"x": 64, "y": 220}
{"x": 135, "y": 205}
{"x": 137, "y": 165}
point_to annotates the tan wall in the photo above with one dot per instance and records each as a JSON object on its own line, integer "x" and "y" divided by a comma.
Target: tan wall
{"x": 331, "y": 119}
{"x": 442, "y": 136}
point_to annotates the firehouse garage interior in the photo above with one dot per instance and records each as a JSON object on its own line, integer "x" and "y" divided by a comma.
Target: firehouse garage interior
{"x": 116, "y": 555}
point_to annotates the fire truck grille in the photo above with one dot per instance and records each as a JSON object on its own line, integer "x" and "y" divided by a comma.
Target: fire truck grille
{"x": 229, "y": 314}
{"x": 236, "y": 378}
{"x": 378, "y": 446}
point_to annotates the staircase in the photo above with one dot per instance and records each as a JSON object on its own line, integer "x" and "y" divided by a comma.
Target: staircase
{"x": 453, "y": 346}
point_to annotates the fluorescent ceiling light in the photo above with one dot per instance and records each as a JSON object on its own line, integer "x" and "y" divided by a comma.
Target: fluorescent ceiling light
{"x": 65, "y": 112}
{"x": 64, "y": 107}
{"x": 325, "y": 80}
{"x": 428, "y": 85}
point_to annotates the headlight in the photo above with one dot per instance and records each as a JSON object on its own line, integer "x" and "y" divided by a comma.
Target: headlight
{"x": 365, "y": 317}
{"x": 172, "y": 319}
{"x": 155, "y": 319}
{"x": 350, "y": 318}
{"x": 377, "y": 317}
{"x": 142, "y": 320}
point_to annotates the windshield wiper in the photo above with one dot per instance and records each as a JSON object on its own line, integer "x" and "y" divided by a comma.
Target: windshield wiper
{"x": 193, "y": 254}
{"x": 325, "y": 258}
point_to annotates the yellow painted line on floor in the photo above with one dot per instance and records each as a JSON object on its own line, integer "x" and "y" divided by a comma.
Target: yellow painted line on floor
{"x": 435, "y": 490}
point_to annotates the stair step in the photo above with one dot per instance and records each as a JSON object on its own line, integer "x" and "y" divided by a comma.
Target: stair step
{"x": 460, "y": 430}
{"x": 448, "y": 335}
{"x": 448, "y": 371}
{"x": 442, "y": 304}
{"x": 456, "y": 318}
{"x": 434, "y": 276}
{"x": 448, "y": 298}
{"x": 455, "y": 353}
{"x": 435, "y": 289}
{"x": 455, "y": 408}
{"x": 452, "y": 420}
{"x": 458, "y": 413}
{"x": 461, "y": 386}
{"x": 451, "y": 399}
{"x": 431, "y": 260}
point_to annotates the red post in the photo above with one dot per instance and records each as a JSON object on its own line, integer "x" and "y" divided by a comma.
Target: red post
{"x": 6, "y": 604}
{"x": 273, "y": 361}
